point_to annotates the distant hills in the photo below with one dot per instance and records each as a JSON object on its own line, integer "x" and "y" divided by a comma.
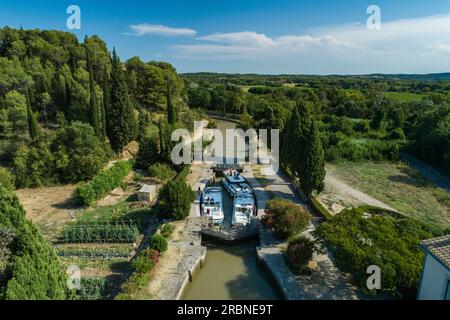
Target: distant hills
{"x": 415, "y": 77}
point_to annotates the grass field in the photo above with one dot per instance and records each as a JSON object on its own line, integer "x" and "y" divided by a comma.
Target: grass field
{"x": 399, "y": 186}
{"x": 403, "y": 96}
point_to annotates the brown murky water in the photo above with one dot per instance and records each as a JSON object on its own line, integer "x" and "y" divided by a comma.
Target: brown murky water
{"x": 231, "y": 272}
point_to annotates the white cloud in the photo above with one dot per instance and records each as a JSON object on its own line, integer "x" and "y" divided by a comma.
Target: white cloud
{"x": 144, "y": 28}
{"x": 409, "y": 45}
{"x": 246, "y": 38}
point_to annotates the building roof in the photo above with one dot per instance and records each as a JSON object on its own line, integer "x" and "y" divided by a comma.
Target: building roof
{"x": 439, "y": 248}
{"x": 147, "y": 188}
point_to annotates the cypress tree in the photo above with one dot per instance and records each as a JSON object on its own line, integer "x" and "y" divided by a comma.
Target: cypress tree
{"x": 161, "y": 139}
{"x": 93, "y": 103}
{"x": 293, "y": 137}
{"x": 106, "y": 100}
{"x": 68, "y": 99}
{"x": 33, "y": 128}
{"x": 312, "y": 174}
{"x": 120, "y": 116}
{"x": 171, "y": 118}
{"x": 59, "y": 94}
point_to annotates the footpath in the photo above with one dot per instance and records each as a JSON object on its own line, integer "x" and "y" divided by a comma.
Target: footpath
{"x": 326, "y": 281}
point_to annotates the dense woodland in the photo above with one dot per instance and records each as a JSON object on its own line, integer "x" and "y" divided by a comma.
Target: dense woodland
{"x": 357, "y": 117}
{"x": 68, "y": 107}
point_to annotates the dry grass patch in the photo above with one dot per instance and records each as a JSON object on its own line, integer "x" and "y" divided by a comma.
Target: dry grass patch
{"x": 400, "y": 186}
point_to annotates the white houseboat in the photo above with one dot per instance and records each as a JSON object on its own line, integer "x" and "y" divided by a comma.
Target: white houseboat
{"x": 211, "y": 204}
{"x": 236, "y": 184}
{"x": 243, "y": 209}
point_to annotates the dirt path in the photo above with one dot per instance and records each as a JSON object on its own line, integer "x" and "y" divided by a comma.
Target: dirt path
{"x": 50, "y": 207}
{"x": 170, "y": 267}
{"x": 168, "y": 262}
{"x": 326, "y": 281}
{"x": 339, "y": 195}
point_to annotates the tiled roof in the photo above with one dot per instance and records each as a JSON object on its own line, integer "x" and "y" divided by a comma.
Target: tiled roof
{"x": 439, "y": 248}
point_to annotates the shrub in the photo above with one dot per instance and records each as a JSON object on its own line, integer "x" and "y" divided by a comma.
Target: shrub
{"x": 6, "y": 179}
{"x": 134, "y": 283}
{"x": 152, "y": 254}
{"x": 358, "y": 150}
{"x": 396, "y": 134}
{"x": 299, "y": 252}
{"x": 161, "y": 171}
{"x": 91, "y": 289}
{"x": 148, "y": 151}
{"x": 286, "y": 217}
{"x": 137, "y": 177}
{"x": 104, "y": 182}
{"x": 388, "y": 241}
{"x": 166, "y": 230}
{"x": 320, "y": 208}
{"x": 143, "y": 264}
{"x": 158, "y": 242}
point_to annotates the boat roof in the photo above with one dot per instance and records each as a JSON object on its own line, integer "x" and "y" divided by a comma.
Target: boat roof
{"x": 235, "y": 179}
{"x": 244, "y": 201}
{"x": 213, "y": 190}
{"x": 214, "y": 196}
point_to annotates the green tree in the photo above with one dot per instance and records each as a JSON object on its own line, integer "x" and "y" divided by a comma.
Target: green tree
{"x": 120, "y": 112}
{"x": 312, "y": 173}
{"x": 79, "y": 153}
{"x": 35, "y": 270}
{"x": 33, "y": 128}
{"x": 294, "y": 136}
{"x": 93, "y": 103}
{"x": 176, "y": 198}
{"x": 148, "y": 153}
{"x": 171, "y": 117}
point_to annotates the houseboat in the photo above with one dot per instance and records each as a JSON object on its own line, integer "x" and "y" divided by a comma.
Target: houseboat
{"x": 211, "y": 204}
{"x": 243, "y": 209}
{"x": 235, "y": 184}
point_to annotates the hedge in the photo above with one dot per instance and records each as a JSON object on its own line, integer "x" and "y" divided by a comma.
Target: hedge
{"x": 158, "y": 242}
{"x": 103, "y": 182}
{"x": 320, "y": 208}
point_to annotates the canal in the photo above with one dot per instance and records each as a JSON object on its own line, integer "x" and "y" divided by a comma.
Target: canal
{"x": 230, "y": 271}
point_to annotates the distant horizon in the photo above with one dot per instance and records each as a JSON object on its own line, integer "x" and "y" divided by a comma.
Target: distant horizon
{"x": 110, "y": 48}
{"x": 305, "y": 37}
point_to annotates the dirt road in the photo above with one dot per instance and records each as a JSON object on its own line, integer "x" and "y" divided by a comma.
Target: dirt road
{"x": 339, "y": 195}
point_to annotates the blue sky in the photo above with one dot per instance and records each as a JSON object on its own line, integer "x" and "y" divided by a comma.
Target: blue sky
{"x": 259, "y": 36}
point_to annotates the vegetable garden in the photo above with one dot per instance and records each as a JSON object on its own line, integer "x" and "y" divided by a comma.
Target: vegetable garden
{"x": 108, "y": 232}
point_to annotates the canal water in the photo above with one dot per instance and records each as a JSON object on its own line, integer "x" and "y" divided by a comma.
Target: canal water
{"x": 230, "y": 271}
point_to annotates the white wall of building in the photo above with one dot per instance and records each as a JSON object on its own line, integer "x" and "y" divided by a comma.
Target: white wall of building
{"x": 434, "y": 280}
